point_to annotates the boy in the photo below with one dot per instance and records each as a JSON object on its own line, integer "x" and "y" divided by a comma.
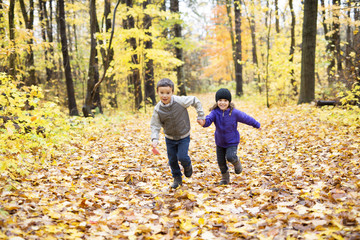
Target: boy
{"x": 171, "y": 114}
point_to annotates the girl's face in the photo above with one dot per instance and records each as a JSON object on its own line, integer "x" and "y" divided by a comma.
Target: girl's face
{"x": 165, "y": 94}
{"x": 223, "y": 104}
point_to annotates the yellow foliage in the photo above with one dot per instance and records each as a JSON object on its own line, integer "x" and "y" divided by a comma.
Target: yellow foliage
{"x": 28, "y": 137}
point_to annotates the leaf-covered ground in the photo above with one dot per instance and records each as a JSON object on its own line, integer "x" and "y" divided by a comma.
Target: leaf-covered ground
{"x": 300, "y": 180}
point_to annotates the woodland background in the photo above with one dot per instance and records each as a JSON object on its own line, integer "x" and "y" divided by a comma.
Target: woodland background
{"x": 77, "y": 92}
{"x": 255, "y": 47}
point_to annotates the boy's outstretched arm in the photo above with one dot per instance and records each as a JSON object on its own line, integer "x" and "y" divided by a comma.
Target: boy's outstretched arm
{"x": 155, "y": 127}
{"x": 187, "y": 101}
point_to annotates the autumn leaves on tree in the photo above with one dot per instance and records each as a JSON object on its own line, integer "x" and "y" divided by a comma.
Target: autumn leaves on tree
{"x": 245, "y": 42}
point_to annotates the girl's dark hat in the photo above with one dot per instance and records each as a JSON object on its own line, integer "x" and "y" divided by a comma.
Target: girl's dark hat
{"x": 223, "y": 93}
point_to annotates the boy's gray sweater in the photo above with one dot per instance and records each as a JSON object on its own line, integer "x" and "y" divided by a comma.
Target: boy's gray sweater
{"x": 174, "y": 117}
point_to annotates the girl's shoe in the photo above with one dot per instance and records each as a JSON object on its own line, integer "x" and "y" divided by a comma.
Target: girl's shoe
{"x": 225, "y": 178}
{"x": 237, "y": 166}
{"x": 177, "y": 182}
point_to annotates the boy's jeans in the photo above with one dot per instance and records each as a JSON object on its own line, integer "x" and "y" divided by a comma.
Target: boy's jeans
{"x": 177, "y": 150}
{"x": 224, "y": 154}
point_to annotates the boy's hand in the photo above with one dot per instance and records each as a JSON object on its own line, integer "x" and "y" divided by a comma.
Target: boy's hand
{"x": 154, "y": 144}
{"x": 201, "y": 122}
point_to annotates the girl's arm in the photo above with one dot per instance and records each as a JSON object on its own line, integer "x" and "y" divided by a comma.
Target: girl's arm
{"x": 209, "y": 119}
{"x": 246, "y": 119}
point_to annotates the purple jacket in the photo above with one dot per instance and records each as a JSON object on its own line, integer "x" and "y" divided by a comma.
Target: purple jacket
{"x": 226, "y": 133}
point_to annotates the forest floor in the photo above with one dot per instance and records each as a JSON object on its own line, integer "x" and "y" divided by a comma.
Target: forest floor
{"x": 300, "y": 180}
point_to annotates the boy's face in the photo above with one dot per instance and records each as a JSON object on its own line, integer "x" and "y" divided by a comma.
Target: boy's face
{"x": 223, "y": 104}
{"x": 165, "y": 94}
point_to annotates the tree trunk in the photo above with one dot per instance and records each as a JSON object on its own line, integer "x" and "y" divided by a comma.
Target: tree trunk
{"x": 2, "y": 28}
{"x": 73, "y": 111}
{"x": 292, "y": 49}
{"x": 348, "y": 39}
{"x": 238, "y": 64}
{"x": 268, "y": 18}
{"x": 133, "y": 78}
{"x": 12, "y": 57}
{"x": 166, "y": 30}
{"x": 174, "y": 7}
{"x": 3, "y": 67}
{"x": 307, "y": 86}
{"x": 29, "y": 23}
{"x": 49, "y": 30}
{"x": 149, "y": 63}
{"x": 251, "y": 20}
{"x": 277, "y": 24}
{"x": 330, "y": 47}
{"x": 336, "y": 36}
{"x": 108, "y": 58}
{"x": 59, "y": 69}
{"x": 357, "y": 56}
{"x": 42, "y": 10}
{"x": 93, "y": 77}
{"x": 231, "y": 31}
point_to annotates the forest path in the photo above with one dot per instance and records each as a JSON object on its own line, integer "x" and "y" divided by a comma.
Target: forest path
{"x": 300, "y": 179}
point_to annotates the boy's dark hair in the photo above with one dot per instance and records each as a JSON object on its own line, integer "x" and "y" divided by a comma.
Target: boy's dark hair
{"x": 165, "y": 82}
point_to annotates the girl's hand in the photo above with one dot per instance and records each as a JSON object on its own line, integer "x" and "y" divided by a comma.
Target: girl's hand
{"x": 201, "y": 122}
{"x": 154, "y": 144}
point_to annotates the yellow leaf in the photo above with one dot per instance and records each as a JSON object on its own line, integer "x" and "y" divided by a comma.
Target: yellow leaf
{"x": 191, "y": 196}
{"x": 239, "y": 231}
{"x": 201, "y": 221}
{"x": 187, "y": 225}
{"x": 54, "y": 215}
{"x": 337, "y": 237}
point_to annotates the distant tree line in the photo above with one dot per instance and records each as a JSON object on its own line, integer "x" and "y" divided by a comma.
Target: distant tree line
{"x": 64, "y": 46}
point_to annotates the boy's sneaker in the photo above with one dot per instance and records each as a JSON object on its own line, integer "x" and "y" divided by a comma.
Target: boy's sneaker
{"x": 237, "y": 166}
{"x": 177, "y": 182}
{"x": 188, "y": 171}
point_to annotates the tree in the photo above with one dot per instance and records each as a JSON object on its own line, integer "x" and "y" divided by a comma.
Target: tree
{"x": 292, "y": 48}
{"x": 108, "y": 57}
{"x": 73, "y": 111}
{"x": 3, "y": 66}
{"x": 332, "y": 36}
{"x": 307, "y": 86}
{"x": 134, "y": 81}
{"x": 251, "y": 19}
{"x": 29, "y": 23}
{"x": 277, "y": 24}
{"x": 93, "y": 77}
{"x": 238, "y": 64}
{"x": 236, "y": 43}
{"x": 46, "y": 34}
{"x": 12, "y": 57}
{"x": 149, "y": 64}
{"x": 174, "y": 7}
{"x": 231, "y": 31}
{"x": 219, "y": 49}
{"x": 356, "y": 44}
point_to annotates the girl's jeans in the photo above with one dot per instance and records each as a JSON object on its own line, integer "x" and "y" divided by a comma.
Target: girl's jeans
{"x": 177, "y": 150}
{"x": 224, "y": 154}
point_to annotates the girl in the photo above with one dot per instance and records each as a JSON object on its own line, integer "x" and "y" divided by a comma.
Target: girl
{"x": 225, "y": 117}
